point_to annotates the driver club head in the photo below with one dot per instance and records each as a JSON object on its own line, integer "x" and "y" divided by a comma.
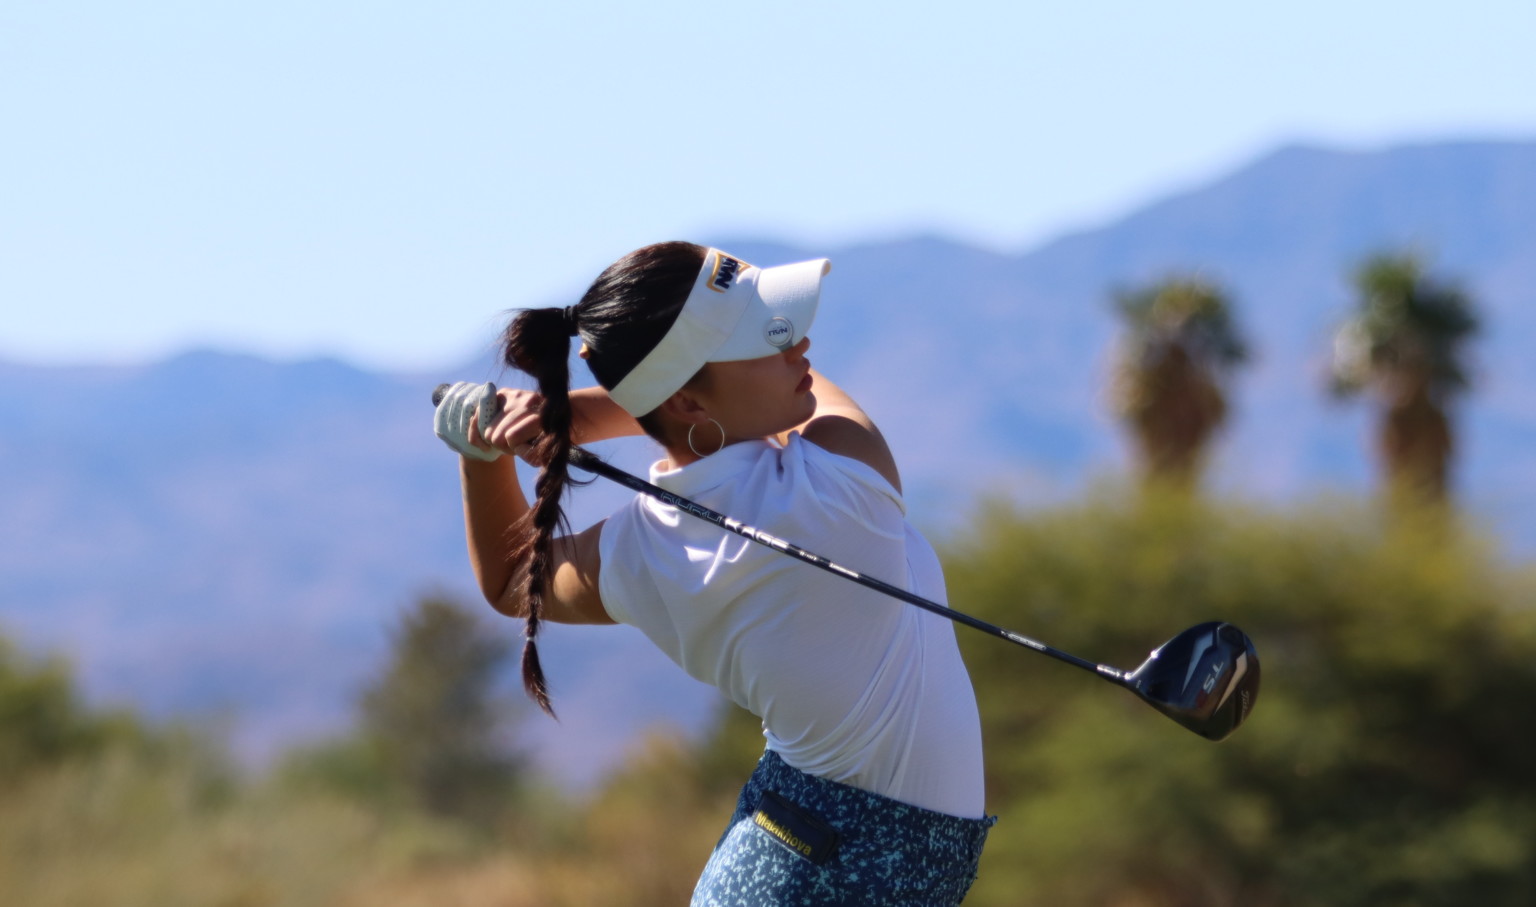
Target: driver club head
{"x": 1206, "y": 678}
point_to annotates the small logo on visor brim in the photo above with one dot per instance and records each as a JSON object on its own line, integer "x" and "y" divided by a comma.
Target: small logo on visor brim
{"x": 779, "y": 332}
{"x": 727, "y": 269}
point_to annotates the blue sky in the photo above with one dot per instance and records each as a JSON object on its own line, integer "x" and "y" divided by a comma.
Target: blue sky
{"x": 379, "y": 181}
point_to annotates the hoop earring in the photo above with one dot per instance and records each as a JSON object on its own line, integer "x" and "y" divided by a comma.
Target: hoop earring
{"x": 695, "y": 449}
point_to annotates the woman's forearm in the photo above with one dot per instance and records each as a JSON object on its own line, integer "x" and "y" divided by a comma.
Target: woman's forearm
{"x": 595, "y": 417}
{"x": 494, "y": 504}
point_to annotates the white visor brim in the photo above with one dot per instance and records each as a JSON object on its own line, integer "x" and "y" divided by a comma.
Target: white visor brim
{"x": 734, "y": 311}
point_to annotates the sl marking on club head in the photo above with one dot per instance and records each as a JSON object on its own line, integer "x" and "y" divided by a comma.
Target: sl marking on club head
{"x": 1238, "y": 672}
{"x": 1194, "y": 658}
{"x": 1210, "y": 682}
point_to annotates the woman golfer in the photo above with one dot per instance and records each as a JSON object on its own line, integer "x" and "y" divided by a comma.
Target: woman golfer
{"x": 870, "y": 789}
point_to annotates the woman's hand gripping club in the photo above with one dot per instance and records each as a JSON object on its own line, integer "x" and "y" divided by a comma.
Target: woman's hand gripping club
{"x": 481, "y": 422}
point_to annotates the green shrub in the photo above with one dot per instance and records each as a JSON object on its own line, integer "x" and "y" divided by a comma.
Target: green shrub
{"x": 1387, "y": 758}
{"x": 44, "y": 722}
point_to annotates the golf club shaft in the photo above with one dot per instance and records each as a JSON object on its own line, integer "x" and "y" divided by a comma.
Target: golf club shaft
{"x": 589, "y": 462}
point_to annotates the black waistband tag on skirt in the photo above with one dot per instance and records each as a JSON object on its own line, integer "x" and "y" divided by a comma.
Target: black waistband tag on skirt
{"x": 795, "y": 828}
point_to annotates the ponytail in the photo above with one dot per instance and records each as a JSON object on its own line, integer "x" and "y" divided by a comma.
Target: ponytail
{"x": 538, "y": 342}
{"x": 620, "y": 319}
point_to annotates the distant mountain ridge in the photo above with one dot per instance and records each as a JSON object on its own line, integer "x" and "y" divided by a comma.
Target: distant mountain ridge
{"x": 219, "y": 532}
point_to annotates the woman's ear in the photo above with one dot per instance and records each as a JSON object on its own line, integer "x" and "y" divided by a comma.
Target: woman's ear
{"x": 685, "y": 407}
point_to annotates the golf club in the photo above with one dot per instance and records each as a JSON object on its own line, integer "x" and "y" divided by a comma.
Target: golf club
{"x": 1205, "y": 678}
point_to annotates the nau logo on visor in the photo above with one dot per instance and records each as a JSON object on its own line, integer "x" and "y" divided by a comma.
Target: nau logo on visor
{"x": 779, "y": 331}
{"x": 727, "y": 269}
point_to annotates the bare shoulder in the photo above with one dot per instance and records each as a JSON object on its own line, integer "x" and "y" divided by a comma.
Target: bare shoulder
{"x": 853, "y": 435}
{"x": 841, "y": 426}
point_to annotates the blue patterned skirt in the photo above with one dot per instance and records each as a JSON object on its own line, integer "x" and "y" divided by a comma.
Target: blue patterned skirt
{"x": 796, "y": 839}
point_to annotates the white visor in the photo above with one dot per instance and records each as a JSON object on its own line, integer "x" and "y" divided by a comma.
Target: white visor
{"x": 735, "y": 311}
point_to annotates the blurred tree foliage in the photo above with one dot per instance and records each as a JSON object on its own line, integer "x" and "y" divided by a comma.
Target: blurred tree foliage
{"x": 433, "y": 728}
{"x": 1385, "y": 762}
{"x": 1388, "y": 758}
{"x": 83, "y": 788}
{"x": 43, "y": 721}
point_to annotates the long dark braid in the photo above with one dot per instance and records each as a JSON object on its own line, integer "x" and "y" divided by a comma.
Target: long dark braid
{"x": 538, "y": 343}
{"x": 621, "y": 318}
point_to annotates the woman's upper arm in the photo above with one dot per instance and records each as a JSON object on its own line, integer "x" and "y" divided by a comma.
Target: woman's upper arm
{"x": 571, "y": 596}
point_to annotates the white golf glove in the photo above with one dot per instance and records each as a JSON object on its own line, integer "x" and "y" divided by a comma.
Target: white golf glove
{"x": 463, "y": 402}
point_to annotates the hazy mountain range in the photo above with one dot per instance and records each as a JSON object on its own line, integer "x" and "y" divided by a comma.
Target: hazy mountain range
{"x": 220, "y": 534}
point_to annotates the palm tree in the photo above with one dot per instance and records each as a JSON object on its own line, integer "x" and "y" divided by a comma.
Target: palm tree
{"x": 1180, "y": 346}
{"x": 1405, "y": 343}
